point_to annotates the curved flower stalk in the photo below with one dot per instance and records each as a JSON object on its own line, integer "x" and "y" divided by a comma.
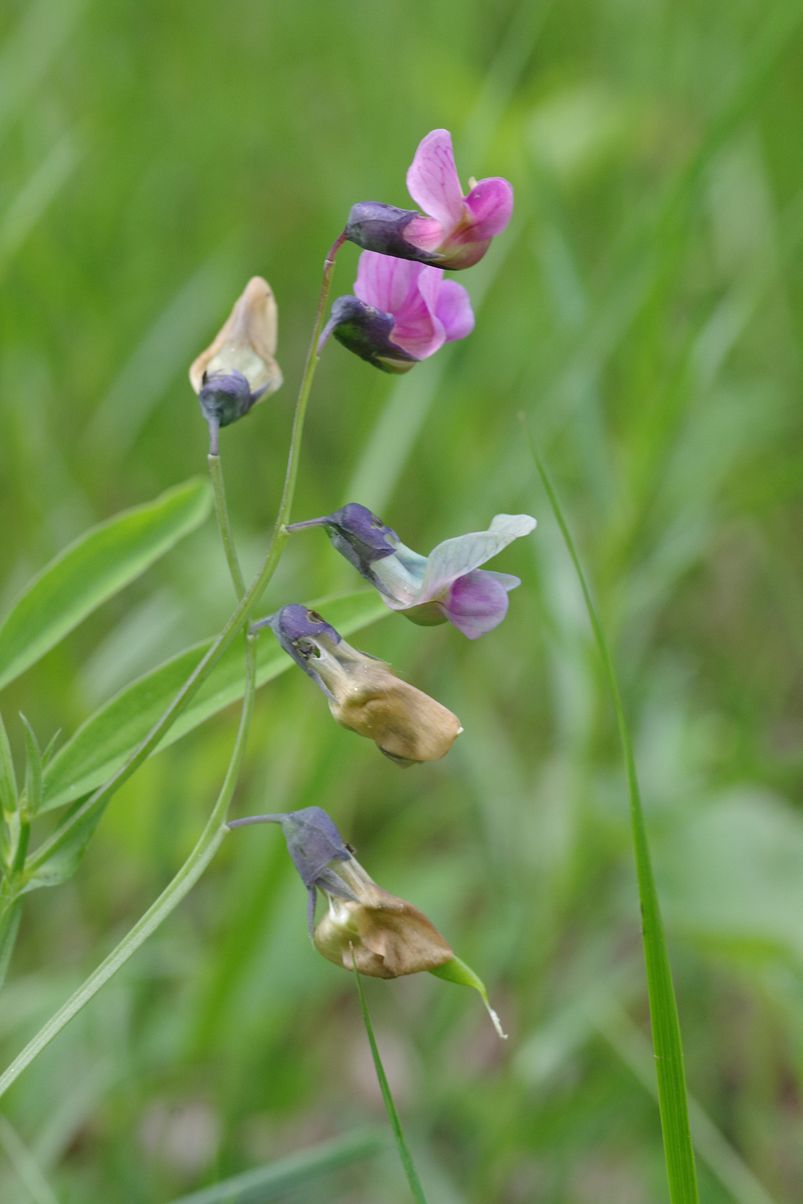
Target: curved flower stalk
{"x": 455, "y": 230}
{"x": 364, "y": 694}
{"x": 400, "y": 313}
{"x": 364, "y": 926}
{"x": 238, "y": 369}
{"x": 447, "y": 585}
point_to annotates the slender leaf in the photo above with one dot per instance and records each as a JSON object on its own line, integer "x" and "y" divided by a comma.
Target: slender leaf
{"x": 33, "y": 768}
{"x": 274, "y": 1181}
{"x": 9, "y": 926}
{"x": 8, "y": 779}
{"x": 94, "y": 568}
{"x": 666, "y": 1036}
{"x": 387, "y": 1097}
{"x": 105, "y": 740}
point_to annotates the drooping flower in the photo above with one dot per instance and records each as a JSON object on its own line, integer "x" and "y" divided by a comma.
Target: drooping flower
{"x": 364, "y": 927}
{"x": 364, "y": 694}
{"x": 238, "y": 369}
{"x": 448, "y": 585}
{"x": 400, "y": 313}
{"x": 455, "y": 229}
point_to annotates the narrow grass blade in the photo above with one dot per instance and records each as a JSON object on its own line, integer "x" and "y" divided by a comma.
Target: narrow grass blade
{"x": 390, "y": 1107}
{"x": 94, "y": 568}
{"x": 666, "y": 1037}
{"x": 274, "y": 1181}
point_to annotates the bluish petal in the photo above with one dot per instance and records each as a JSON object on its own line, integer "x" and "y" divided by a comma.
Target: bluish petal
{"x": 456, "y": 557}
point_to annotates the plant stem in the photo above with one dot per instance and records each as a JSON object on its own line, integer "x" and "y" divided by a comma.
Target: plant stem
{"x": 222, "y": 516}
{"x": 384, "y": 1087}
{"x": 664, "y": 1020}
{"x": 203, "y": 852}
{"x": 97, "y": 801}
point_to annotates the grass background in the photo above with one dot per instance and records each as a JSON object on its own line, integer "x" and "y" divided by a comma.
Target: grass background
{"x": 643, "y": 311}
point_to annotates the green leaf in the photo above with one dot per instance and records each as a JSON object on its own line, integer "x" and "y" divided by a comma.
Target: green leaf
{"x": 667, "y": 1041}
{"x": 273, "y": 1182}
{"x": 65, "y": 860}
{"x": 33, "y": 769}
{"x": 106, "y": 739}
{"x": 405, "y": 1157}
{"x": 8, "y": 779}
{"x": 9, "y": 926}
{"x": 94, "y": 568}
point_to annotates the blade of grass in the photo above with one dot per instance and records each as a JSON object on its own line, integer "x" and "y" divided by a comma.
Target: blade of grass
{"x": 273, "y": 1182}
{"x": 387, "y": 1097}
{"x": 723, "y": 1160}
{"x": 666, "y": 1037}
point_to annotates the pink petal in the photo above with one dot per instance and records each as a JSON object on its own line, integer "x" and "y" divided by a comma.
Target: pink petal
{"x": 476, "y": 603}
{"x": 491, "y": 206}
{"x": 417, "y": 328}
{"x": 385, "y": 282}
{"x": 432, "y": 179}
{"x": 425, "y": 233}
{"x": 454, "y": 310}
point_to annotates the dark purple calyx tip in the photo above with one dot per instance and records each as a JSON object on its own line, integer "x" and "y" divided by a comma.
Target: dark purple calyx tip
{"x": 366, "y": 331}
{"x": 225, "y": 397}
{"x": 378, "y": 227}
{"x": 299, "y": 631}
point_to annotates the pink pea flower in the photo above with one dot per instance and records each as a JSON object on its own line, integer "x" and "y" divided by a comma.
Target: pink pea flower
{"x": 455, "y": 229}
{"x": 446, "y": 586}
{"x": 401, "y": 312}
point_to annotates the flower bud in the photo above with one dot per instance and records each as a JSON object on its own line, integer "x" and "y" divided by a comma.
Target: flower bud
{"x": 364, "y": 694}
{"x": 238, "y": 368}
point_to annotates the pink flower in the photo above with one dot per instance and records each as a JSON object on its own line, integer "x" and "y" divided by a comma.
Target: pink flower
{"x": 456, "y": 228}
{"x": 401, "y": 312}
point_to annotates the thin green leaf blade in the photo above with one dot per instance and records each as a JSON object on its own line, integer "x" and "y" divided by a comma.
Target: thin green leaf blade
{"x": 274, "y": 1181}
{"x": 8, "y": 779}
{"x": 106, "y": 739}
{"x": 405, "y": 1156}
{"x": 664, "y": 1019}
{"x": 92, "y": 569}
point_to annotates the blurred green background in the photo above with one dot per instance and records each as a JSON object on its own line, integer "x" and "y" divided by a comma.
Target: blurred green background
{"x": 643, "y": 311}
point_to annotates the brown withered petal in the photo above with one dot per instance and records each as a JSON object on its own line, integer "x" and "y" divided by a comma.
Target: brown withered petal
{"x": 246, "y": 342}
{"x": 387, "y": 937}
{"x": 406, "y": 724}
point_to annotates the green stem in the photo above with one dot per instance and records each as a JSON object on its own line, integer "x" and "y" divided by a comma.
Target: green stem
{"x": 664, "y": 1020}
{"x": 384, "y": 1087}
{"x": 192, "y": 869}
{"x": 97, "y": 801}
{"x": 222, "y": 516}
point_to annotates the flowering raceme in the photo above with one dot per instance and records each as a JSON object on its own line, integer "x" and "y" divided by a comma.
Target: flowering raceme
{"x": 364, "y": 927}
{"x": 238, "y": 369}
{"x": 400, "y": 313}
{"x": 447, "y": 585}
{"x": 455, "y": 229}
{"x": 364, "y": 694}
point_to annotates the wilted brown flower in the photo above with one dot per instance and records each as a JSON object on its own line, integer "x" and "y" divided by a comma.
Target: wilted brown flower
{"x": 384, "y": 936}
{"x": 364, "y": 693}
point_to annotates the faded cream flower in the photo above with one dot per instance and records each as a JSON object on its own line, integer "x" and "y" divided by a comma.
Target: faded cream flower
{"x": 238, "y": 369}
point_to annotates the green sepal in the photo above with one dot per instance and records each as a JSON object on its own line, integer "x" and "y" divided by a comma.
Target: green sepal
{"x": 457, "y": 971}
